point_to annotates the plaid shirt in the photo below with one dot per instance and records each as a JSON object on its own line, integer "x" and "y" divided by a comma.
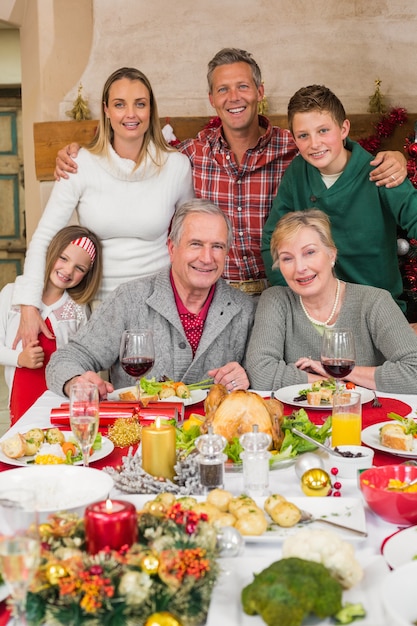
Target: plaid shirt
{"x": 243, "y": 192}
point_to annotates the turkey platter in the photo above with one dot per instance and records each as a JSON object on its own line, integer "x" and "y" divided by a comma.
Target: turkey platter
{"x": 233, "y": 414}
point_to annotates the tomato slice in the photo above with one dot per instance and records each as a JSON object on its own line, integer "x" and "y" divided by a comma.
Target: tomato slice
{"x": 349, "y": 385}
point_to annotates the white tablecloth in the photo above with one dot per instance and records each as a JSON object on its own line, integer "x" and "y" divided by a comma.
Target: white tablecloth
{"x": 256, "y": 555}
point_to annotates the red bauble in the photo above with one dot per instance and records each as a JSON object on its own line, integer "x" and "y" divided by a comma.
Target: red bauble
{"x": 412, "y": 149}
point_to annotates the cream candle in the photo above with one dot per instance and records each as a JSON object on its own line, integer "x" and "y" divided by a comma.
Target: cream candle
{"x": 158, "y": 449}
{"x": 110, "y": 524}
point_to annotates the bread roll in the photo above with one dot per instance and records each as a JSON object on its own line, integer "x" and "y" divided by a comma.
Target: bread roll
{"x": 394, "y": 436}
{"x": 14, "y": 447}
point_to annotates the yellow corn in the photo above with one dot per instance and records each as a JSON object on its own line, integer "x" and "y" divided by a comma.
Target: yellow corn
{"x": 48, "y": 459}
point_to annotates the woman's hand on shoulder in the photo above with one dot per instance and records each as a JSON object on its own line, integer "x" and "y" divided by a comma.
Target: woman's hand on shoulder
{"x": 31, "y": 325}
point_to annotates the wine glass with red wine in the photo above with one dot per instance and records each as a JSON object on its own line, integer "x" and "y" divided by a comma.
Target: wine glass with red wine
{"x": 338, "y": 353}
{"x": 137, "y": 354}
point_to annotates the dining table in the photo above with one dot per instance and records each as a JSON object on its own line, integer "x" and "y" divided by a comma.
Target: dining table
{"x": 258, "y": 553}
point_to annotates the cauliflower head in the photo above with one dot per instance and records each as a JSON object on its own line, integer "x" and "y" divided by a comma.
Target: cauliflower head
{"x": 327, "y": 548}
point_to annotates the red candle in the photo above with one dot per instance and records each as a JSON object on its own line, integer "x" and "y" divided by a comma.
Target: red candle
{"x": 110, "y": 524}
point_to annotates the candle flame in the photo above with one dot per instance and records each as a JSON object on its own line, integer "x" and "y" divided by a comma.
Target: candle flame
{"x": 109, "y": 506}
{"x": 157, "y": 423}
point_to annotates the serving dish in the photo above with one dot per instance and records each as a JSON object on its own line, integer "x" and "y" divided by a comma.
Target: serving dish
{"x": 287, "y": 395}
{"x": 350, "y": 466}
{"x": 347, "y": 511}
{"x": 401, "y": 548}
{"x": 370, "y": 436}
{"x": 107, "y": 448}
{"x": 197, "y": 395}
{"x": 60, "y": 487}
{"x": 226, "y": 606}
{"x": 396, "y": 507}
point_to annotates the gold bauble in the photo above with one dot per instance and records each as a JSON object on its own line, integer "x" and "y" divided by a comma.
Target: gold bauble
{"x": 316, "y": 482}
{"x": 150, "y": 564}
{"x": 54, "y": 573}
{"x": 45, "y": 530}
{"x": 162, "y": 619}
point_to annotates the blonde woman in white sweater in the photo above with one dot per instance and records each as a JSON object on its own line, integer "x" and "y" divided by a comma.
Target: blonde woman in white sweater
{"x": 128, "y": 186}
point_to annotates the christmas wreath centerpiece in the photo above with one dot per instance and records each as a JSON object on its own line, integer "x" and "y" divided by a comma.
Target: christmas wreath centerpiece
{"x": 165, "y": 578}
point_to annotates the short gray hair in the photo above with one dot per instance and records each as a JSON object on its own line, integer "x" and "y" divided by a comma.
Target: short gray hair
{"x": 197, "y": 206}
{"x": 227, "y": 56}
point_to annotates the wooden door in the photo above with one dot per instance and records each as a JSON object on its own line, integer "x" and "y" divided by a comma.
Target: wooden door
{"x": 12, "y": 216}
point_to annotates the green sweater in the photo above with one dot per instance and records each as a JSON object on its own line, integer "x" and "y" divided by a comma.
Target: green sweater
{"x": 282, "y": 334}
{"x": 364, "y": 219}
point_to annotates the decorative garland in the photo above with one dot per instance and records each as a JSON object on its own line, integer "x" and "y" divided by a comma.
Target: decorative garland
{"x": 388, "y": 122}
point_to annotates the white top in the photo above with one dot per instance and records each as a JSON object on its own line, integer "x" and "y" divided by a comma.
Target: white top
{"x": 65, "y": 316}
{"x": 130, "y": 211}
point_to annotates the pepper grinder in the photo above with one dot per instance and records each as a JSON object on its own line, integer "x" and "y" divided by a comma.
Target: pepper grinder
{"x": 255, "y": 457}
{"x": 211, "y": 460}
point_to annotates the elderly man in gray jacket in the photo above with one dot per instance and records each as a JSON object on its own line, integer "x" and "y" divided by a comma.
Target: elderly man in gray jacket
{"x": 200, "y": 324}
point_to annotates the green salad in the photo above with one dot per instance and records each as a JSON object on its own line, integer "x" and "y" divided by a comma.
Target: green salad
{"x": 292, "y": 445}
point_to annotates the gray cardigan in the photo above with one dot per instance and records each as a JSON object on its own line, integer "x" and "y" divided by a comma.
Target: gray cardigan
{"x": 149, "y": 303}
{"x": 282, "y": 334}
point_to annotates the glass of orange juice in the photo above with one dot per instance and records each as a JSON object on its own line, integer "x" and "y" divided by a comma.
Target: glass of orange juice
{"x": 346, "y": 419}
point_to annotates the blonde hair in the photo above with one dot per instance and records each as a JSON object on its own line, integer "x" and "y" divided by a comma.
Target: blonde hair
{"x": 104, "y": 136}
{"x": 87, "y": 288}
{"x": 290, "y": 225}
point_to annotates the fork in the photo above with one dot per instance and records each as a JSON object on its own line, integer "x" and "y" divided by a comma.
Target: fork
{"x": 375, "y": 402}
{"x": 308, "y": 518}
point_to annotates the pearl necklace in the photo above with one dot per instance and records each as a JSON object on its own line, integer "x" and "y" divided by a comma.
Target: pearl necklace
{"x": 335, "y": 305}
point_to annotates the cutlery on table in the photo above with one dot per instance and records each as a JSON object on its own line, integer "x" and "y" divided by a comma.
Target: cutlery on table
{"x": 375, "y": 402}
{"x": 316, "y": 443}
{"x": 308, "y": 518}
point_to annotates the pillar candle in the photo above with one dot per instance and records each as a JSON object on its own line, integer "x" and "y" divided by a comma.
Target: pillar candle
{"x": 110, "y": 523}
{"x": 159, "y": 449}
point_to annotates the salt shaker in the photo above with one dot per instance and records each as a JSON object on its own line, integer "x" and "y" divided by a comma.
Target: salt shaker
{"x": 255, "y": 459}
{"x": 211, "y": 460}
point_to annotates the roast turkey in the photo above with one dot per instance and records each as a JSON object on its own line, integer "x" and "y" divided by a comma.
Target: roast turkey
{"x": 233, "y": 414}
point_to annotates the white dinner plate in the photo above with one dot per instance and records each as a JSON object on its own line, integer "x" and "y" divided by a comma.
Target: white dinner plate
{"x": 347, "y": 511}
{"x": 198, "y": 395}
{"x": 107, "y": 447}
{"x": 287, "y": 395}
{"x": 226, "y": 606}
{"x": 401, "y": 548}
{"x": 370, "y": 436}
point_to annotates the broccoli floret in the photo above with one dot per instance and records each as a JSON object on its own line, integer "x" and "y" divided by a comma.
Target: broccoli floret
{"x": 290, "y": 589}
{"x": 349, "y": 613}
{"x": 273, "y": 602}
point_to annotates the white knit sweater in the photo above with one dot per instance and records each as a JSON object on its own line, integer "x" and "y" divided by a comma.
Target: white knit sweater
{"x": 130, "y": 211}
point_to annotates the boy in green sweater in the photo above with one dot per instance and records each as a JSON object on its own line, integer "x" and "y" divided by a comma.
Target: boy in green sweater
{"x": 331, "y": 173}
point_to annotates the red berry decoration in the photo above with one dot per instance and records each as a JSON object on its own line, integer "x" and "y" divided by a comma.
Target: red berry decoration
{"x": 334, "y": 471}
{"x": 337, "y": 485}
{"x": 337, "y": 494}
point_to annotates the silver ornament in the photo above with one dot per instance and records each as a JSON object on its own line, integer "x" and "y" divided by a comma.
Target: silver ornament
{"x": 403, "y": 247}
{"x": 229, "y": 541}
{"x": 308, "y": 461}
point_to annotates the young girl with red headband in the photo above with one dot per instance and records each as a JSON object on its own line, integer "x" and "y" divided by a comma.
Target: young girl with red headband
{"x": 73, "y": 272}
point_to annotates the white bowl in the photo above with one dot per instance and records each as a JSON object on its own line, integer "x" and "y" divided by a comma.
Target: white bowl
{"x": 397, "y": 593}
{"x": 350, "y": 466}
{"x": 59, "y": 487}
